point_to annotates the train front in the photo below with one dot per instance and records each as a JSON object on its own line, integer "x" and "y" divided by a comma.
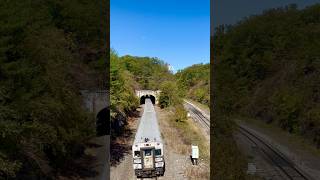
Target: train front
{"x": 147, "y": 149}
{"x": 148, "y": 159}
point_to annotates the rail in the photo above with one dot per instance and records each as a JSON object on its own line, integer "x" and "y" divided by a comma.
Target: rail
{"x": 287, "y": 168}
{"x": 205, "y": 121}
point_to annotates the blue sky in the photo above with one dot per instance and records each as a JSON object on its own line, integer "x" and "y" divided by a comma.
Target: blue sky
{"x": 176, "y": 31}
{"x": 231, "y": 11}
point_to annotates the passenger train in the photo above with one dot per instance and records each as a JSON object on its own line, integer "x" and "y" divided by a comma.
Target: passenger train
{"x": 147, "y": 148}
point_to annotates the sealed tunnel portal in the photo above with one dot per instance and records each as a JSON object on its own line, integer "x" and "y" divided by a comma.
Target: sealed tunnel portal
{"x": 143, "y": 98}
{"x": 103, "y": 122}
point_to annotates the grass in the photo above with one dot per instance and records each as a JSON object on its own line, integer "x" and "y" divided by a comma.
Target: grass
{"x": 228, "y": 162}
{"x": 191, "y": 135}
{"x": 180, "y": 136}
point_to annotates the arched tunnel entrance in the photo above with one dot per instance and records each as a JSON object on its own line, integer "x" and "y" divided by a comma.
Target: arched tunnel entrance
{"x": 143, "y": 98}
{"x": 103, "y": 122}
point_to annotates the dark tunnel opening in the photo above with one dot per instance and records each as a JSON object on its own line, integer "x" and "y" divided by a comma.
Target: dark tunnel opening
{"x": 143, "y": 99}
{"x": 103, "y": 122}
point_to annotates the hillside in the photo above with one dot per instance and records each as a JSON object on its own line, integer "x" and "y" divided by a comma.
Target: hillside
{"x": 267, "y": 67}
{"x": 129, "y": 73}
{"x": 270, "y": 69}
{"x": 49, "y": 51}
{"x": 194, "y": 82}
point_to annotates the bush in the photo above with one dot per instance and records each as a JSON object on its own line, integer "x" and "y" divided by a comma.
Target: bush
{"x": 180, "y": 113}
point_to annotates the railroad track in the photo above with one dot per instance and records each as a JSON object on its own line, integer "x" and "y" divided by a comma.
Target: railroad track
{"x": 195, "y": 113}
{"x": 286, "y": 168}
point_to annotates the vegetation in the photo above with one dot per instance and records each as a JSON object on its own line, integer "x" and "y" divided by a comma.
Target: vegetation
{"x": 153, "y": 74}
{"x": 194, "y": 82}
{"x": 129, "y": 73}
{"x": 270, "y": 67}
{"x": 148, "y": 72}
{"x": 227, "y": 161}
{"x": 122, "y": 95}
{"x": 49, "y": 50}
{"x": 267, "y": 67}
{"x": 189, "y": 134}
{"x": 169, "y": 95}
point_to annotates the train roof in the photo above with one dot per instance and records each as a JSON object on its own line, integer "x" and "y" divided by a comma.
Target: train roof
{"x": 148, "y": 126}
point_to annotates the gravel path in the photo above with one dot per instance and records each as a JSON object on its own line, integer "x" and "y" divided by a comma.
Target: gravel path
{"x": 176, "y": 162}
{"x": 124, "y": 169}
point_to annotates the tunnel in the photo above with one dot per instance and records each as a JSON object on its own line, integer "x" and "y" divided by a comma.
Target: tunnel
{"x": 103, "y": 122}
{"x": 143, "y": 98}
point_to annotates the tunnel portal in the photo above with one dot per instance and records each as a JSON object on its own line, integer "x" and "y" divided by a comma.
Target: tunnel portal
{"x": 103, "y": 123}
{"x": 143, "y": 98}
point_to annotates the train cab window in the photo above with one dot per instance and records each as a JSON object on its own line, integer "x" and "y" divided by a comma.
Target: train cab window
{"x": 157, "y": 152}
{"x": 147, "y": 152}
{"x": 137, "y": 153}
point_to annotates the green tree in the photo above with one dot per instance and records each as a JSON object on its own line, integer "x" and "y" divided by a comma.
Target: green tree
{"x": 43, "y": 126}
{"x": 169, "y": 95}
{"x": 267, "y": 68}
{"x": 194, "y": 81}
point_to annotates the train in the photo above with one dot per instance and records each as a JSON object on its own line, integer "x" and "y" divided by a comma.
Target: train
{"x": 147, "y": 148}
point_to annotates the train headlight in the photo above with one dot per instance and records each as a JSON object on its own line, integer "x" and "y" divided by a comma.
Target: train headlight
{"x": 137, "y": 166}
{"x": 158, "y": 159}
{"x": 137, "y": 161}
{"x": 159, "y": 164}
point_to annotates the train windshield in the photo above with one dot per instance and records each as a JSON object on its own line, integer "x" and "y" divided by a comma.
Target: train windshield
{"x": 157, "y": 152}
{"x": 147, "y": 152}
{"x": 137, "y": 153}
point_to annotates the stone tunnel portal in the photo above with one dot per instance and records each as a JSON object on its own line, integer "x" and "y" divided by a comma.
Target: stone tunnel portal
{"x": 103, "y": 123}
{"x": 143, "y": 98}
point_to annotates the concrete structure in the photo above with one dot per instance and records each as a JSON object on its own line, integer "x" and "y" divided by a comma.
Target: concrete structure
{"x": 96, "y": 101}
{"x": 153, "y": 95}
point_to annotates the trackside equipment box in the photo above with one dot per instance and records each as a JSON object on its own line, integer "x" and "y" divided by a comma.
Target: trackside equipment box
{"x": 195, "y": 152}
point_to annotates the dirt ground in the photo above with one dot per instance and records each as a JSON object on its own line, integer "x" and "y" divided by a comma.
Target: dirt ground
{"x": 177, "y": 154}
{"x": 121, "y": 165}
{"x": 178, "y": 162}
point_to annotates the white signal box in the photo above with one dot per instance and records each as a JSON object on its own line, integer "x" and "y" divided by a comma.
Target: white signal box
{"x": 195, "y": 152}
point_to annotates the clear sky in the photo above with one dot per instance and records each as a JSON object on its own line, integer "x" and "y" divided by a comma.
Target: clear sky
{"x": 176, "y": 31}
{"x": 231, "y": 11}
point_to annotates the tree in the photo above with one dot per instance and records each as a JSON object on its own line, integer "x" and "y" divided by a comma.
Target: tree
{"x": 43, "y": 125}
{"x": 169, "y": 95}
{"x": 267, "y": 69}
{"x": 193, "y": 82}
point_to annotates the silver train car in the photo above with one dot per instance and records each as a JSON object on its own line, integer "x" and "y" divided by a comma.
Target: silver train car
{"x": 147, "y": 148}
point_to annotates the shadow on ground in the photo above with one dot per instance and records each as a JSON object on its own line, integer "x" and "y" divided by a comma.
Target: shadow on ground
{"x": 81, "y": 168}
{"x": 121, "y": 137}
{"x": 85, "y": 166}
